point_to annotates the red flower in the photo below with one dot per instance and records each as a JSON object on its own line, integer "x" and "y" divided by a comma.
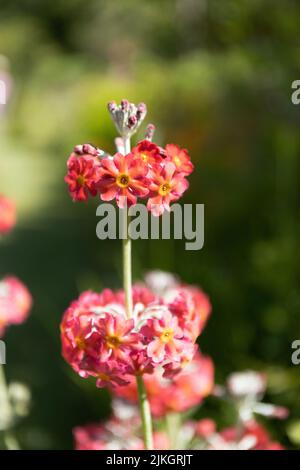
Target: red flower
{"x": 192, "y": 308}
{"x": 118, "y": 338}
{"x": 123, "y": 176}
{"x": 7, "y": 215}
{"x": 166, "y": 186}
{"x": 83, "y": 174}
{"x": 148, "y": 152}
{"x": 180, "y": 158}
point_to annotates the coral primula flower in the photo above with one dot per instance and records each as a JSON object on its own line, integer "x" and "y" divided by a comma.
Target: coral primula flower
{"x": 83, "y": 174}
{"x": 117, "y": 336}
{"x": 99, "y": 340}
{"x": 7, "y": 215}
{"x": 109, "y": 374}
{"x": 166, "y": 186}
{"x": 123, "y": 176}
{"x": 180, "y": 158}
{"x": 192, "y": 308}
{"x": 15, "y": 302}
{"x": 140, "y": 364}
{"x": 148, "y": 152}
{"x": 166, "y": 338}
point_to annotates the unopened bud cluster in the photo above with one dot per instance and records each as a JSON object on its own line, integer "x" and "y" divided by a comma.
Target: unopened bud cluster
{"x": 127, "y": 116}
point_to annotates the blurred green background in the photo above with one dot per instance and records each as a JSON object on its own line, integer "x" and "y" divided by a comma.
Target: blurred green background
{"x": 216, "y": 76}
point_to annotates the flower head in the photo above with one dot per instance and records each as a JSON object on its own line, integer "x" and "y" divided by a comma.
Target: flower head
{"x": 83, "y": 172}
{"x": 166, "y": 186}
{"x": 148, "y": 152}
{"x": 123, "y": 176}
{"x": 98, "y": 339}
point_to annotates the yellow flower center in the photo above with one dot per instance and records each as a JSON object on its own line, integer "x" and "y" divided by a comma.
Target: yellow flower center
{"x": 144, "y": 157}
{"x": 177, "y": 161}
{"x": 167, "y": 335}
{"x": 80, "y": 343}
{"x": 104, "y": 377}
{"x": 113, "y": 342}
{"x": 80, "y": 180}
{"x": 164, "y": 189}
{"x": 122, "y": 180}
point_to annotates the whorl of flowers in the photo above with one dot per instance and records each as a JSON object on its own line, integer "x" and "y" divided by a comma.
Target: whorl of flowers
{"x": 15, "y": 302}
{"x": 148, "y": 171}
{"x": 99, "y": 340}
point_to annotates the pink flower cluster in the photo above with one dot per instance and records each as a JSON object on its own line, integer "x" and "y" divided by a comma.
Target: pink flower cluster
{"x": 123, "y": 432}
{"x": 7, "y": 215}
{"x": 99, "y": 340}
{"x": 15, "y": 302}
{"x": 148, "y": 171}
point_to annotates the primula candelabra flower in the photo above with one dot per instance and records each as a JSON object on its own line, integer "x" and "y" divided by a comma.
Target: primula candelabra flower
{"x": 180, "y": 158}
{"x": 167, "y": 185}
{"x": 123, "y": 176}
{"x": 148, "y": 171}
{"x": 127, "y": 116}
{"x": 15, "y": 302}
{"x": 99, "y": 340}
{"x": 83, "y": 171}
{"x": 7, "y": 215}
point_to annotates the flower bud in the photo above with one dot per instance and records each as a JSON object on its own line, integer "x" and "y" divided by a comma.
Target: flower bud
{"x": 127, "y": 116}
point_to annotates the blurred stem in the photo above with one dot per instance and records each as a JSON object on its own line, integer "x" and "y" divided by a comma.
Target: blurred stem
{"x": 10, "y": 441}
{"x": 6, "y": 413}
{"x": 145, "y": 413}
{"x": 127, "y": 281}
{"x": 127, "y": 274}
{"x": 173, "y": 422}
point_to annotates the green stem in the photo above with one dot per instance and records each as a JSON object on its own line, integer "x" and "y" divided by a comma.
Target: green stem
{"x": 127, "y": 274}
{"x": 127, "y": 281}
{"x": 145, "y": 413}
{"x": 173, "y": 423}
